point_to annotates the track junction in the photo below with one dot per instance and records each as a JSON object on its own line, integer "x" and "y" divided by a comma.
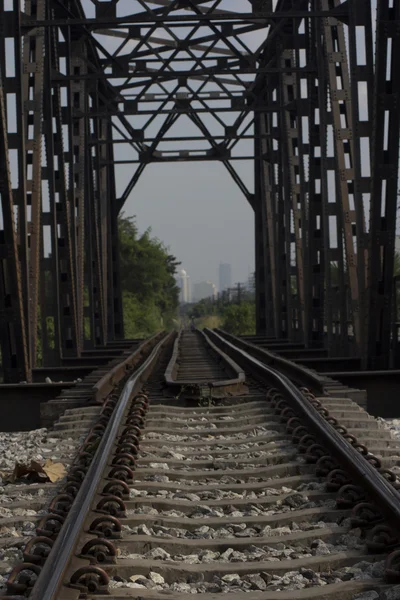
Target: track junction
{"x": 205, "y": 470}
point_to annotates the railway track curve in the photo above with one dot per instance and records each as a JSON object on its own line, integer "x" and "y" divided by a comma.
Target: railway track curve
{"x": 210, "y": 471}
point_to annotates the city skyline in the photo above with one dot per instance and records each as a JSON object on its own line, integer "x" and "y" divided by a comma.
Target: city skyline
{"x": 198, "y": 237}
{"x": 184, "y": 285}
{"x": 224, "y": 276}
{"x": 203, "y": 289}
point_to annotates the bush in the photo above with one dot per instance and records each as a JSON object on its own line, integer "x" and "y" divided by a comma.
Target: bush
{"x": 150, "y": 294}
{"x": 239, "y": 319}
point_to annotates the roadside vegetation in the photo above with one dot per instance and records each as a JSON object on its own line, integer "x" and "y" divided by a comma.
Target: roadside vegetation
{"x": 150, "y": 294}
{"x": 238, "y": 319}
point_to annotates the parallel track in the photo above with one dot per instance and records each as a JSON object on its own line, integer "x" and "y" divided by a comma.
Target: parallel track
{"x": 257, "y": 493}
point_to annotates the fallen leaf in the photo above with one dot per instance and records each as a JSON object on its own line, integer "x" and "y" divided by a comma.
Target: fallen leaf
{"x": 33, "y": 472}
{"x": 54, "y": 471}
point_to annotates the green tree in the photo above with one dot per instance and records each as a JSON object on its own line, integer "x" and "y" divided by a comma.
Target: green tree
{"x": 239, "y": 319}
{"x": 150, "y": 293}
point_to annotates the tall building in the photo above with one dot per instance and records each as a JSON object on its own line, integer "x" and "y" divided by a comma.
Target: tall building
{"x": 183, "y": 282}
{"x": 251, "y": 283}
{"x": 225, "y": 276}
{"x": 204, "y": 289}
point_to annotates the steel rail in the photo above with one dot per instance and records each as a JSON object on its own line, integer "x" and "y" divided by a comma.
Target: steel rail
{"x": 300, "y": 373}
{"x": 378, "y": 488}
{"x": 51, "y": 576}
{"x": 107, "y": 383}
{"x": 238, "y": 376}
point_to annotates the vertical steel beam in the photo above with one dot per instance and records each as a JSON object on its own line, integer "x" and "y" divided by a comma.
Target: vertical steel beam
{"x": 342, "y": 113}
{"x": 361, "y": 61}
{"x": 13, "y": 338}
{"x": 97, "y": 199}
{"x": 262, "y": 273}
{"x": 33, "y": 85}
{"x": 285, "y": 220}
{"x": 295, "y": 169}
{"x": 115, "y": 308}
{"x": 283, "y": 299}
{"x": 104, "y": 216}
{"x": 315, "y": 246}
{"x": 385, "y": 176}
{"x": 10, "y": 49}
{"x": 268, "y": 193}
{"x": 60, "y": 272}
{"x": 74, "y": 117}
{"x": 60, "y": 203}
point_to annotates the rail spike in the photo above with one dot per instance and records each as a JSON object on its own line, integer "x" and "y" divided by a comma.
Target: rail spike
{"x": 112, "y": 505}
{"x": 365, "y": 515}
{"x": 305, "y": 442}
{"x": 90, "y": 580}
{"x": 125, "y": 458}
{"x": 71, "y": 488}
{"x": 391, "y": 477}
{"x": 61, "y": 504}
{"x": 50, "y": 525}
{"x": 99, "y": 550}
{"x": 122, "y": 472}
{"x": 337, "y": 479}
{"x": 373, "y": 460}
{"x": 325, "y": 465}
{"x": 350, "y": 495}
{"x": 286, "y": 414}
{"x": 293, "y": 424}
{"x": 117, "y": 487}
{"x": 108, "y": 526}
{"x": 382, "y": 539}
{"x": 298, "y": 433}
{"x": 37, "y": 550}
{"x": 83, "y": 459}
{"x": 23, "y": 578}
{"x": 314, "y": 453}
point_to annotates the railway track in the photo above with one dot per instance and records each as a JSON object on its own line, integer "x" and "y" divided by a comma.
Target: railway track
{"x": 194, "y": 480}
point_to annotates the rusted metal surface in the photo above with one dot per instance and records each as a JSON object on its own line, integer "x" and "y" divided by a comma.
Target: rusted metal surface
{"x": 34, "y": 405}
{"x": 85, "y": 505}
{"x": 298, "y": 373}
{"x": 310, "y": 105}
{"x": 229, "y": 378}
{"x": 103, "y": 387}
{"x": 363, "y": 466}
{"x": 13, "y": 317}
{"x": 76, "y": 551}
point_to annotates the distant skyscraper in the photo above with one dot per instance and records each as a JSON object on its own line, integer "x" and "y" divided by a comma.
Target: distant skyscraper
{"x": 183, "y": 281}
{"x": 205, "y": 289}
{"x": 225, "y": 276}
{"x": 251, "y": 282}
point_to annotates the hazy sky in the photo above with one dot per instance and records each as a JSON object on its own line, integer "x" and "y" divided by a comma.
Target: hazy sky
{"x": 196, "y": 209}
{"x": 200, "y": 213}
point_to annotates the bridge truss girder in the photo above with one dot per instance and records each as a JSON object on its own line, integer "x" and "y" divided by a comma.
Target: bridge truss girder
{"x": 81, "y": 82}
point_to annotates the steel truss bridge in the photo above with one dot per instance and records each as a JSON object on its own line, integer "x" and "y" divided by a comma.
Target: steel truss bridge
{"x": 309, "y": 90}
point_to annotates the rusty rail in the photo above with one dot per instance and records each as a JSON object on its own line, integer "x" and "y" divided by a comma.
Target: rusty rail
{"x": 53, "y": 573}
{"x": 296, "y": 372}
{"x": 107, "y": 383}
{"x": 232, "y": 383}
{"x": 363, "y": 468}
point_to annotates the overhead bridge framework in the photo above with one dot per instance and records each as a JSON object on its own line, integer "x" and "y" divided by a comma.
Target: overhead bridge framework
{"x": 308, "y": 90}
